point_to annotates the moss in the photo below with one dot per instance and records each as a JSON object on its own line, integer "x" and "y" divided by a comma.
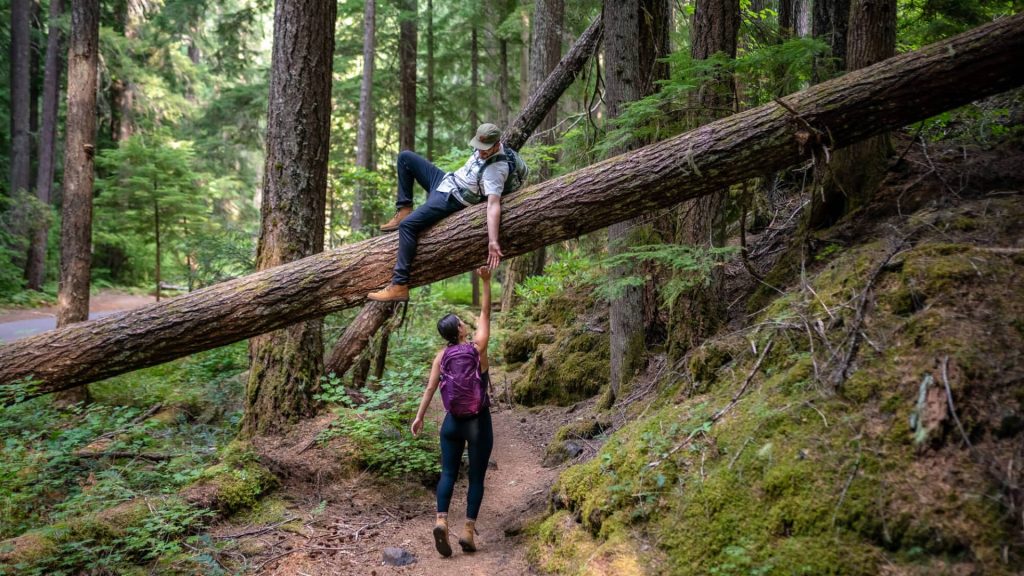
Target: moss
{"x": 519, "y": 346}
{"x": 237, "y": 488}
{"x": 588, "y": 428}
{"x": 572, "y": 369}
{"x": 705, "y": 362}
{"x": 26, "y": 550}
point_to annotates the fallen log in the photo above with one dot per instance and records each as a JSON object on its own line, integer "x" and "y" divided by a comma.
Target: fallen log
{"x": 373, "y": 315}
{"x": 886, "y": 96}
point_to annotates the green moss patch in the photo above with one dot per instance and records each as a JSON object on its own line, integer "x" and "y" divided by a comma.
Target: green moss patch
{"x": 799, "y": 477}
{"x": 573, "y": 368}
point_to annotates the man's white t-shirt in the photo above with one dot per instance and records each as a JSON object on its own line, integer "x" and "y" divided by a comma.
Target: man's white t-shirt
{"x": 462, "y": 183}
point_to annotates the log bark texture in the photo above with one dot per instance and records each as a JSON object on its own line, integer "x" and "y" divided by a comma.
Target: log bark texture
{"x": 888, "y": 95}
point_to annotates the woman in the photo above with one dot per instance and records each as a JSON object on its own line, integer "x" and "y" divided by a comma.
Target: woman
{"x": 460, "y": 368}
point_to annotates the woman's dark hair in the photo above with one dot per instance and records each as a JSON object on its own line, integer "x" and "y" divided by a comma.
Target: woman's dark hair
{"x": 448, "y": 327}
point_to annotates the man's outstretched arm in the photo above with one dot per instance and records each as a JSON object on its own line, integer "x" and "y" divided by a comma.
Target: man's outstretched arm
{"x": 493, "y": 223}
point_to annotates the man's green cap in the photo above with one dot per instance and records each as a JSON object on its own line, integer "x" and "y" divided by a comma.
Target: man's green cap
{"x": 486, "y": 136}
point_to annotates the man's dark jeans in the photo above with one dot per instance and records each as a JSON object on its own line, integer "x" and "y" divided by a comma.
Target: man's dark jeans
{"x": 412, "y": 166}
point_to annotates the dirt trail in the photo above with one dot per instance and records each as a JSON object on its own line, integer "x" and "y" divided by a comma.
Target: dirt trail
{"x": 364, "y": 516}
{"x": 104, "y": 301}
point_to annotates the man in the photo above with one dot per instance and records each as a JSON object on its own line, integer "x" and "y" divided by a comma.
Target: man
{"x": 446, "y": 194}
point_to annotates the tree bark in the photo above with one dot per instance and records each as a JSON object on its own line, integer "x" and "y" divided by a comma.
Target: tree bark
{"x": 20, "y": 96}
{"x": 701, "y": 310}
{"x": 364, "y": 142}
{"x": 79, "y": 149}
{"x": 901, "y": 90}
{"x": 636, "y": 33}
{"x": 430, "y": 79}
{"x": 122, "y": 90}
{"x": 357, "y": 335}
{"x": 369, "y": 320}
{"x": 285, "y": 366}
{"x": 856, "y": 172}
{"x": 35, "y": 87}
{"x": 407, "y": 42}
{"x": 545, "y": 54}
{"x": 36, "y": 267}
{"x": 830, "y": 21}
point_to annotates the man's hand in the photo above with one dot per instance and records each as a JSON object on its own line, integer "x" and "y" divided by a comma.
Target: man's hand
{"x": 484, "y": 273}
{"x": 493, "y": 254}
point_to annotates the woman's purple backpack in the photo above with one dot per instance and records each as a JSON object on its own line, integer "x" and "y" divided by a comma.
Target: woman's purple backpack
{"x": 462, "y": 389}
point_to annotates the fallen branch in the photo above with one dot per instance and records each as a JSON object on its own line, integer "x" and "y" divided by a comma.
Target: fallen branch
{"x": 949, "y": 399}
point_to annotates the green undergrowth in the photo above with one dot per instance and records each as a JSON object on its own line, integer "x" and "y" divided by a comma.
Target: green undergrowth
{"x": 809, "y": 473}
{"x": 71, "y": 505}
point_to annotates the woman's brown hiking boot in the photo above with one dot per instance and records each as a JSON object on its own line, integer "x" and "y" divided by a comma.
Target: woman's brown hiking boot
{"x": 468, "y": 540}
{"x": 393, "y": 293}
{"x": 400, "y": 214}
{"x": 441, "y": 537}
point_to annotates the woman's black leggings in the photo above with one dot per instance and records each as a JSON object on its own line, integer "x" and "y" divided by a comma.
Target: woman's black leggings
{"x": 455, "y": 434}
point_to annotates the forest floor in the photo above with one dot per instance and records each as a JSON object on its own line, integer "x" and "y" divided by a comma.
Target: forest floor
{"x": 343, "y": 527}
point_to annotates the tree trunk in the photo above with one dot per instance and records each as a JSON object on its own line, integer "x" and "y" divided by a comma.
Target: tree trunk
{"x": 830, "y": 21}
{"x": 156, "y": 235}
{"x": 79, "y": 149}
{"x": 20, "y": 96}
{"x": 701, "y": 310}
{"x": 787, "y": 18}
{"x": 890, "y": 94}
{"x": 803, "y": 18}
{"x": 407, "y": 75}
{"x": 122, "y": 90}
{"x": 524, "y": 60}
{"x": 36, "y": 267}
{"x": 545, "y": 54}
{"x": 35, "y": 87}
{"x": 285, "y": 365}
{"x": 361, "y": 330}
{"x": 364, "y": 142}
{"x": 636, "y": 33}
{"x": 358, "y": 334}
{"x": 857, "y": 171}
{"x": 430, "y": 79}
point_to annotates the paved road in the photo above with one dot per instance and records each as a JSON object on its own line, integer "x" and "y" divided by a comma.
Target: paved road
{"x": 14, "y": 330}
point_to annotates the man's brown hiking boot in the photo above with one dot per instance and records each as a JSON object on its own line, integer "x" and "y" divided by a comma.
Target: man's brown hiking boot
{"x": 468, "y": 540}
{"x": 393, "y": 293}
{"x": 400, "y": 214}
{"x": 441, "y": 537}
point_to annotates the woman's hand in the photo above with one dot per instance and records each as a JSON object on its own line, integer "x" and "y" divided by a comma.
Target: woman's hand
{"x": 484, "y": 273}
{"x": 417, "y": 426}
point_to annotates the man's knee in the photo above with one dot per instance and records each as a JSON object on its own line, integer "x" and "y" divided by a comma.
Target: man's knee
{"x": 405, "y": 156}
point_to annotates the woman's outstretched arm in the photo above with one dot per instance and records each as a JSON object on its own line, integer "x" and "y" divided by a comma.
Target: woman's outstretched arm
{"x": 428, "y": 394}
{"x": 483, "y": 327}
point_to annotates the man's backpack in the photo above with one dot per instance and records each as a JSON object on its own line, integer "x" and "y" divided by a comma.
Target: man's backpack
{"x": 462, "y": 389}
{"x": 518, "y": 171}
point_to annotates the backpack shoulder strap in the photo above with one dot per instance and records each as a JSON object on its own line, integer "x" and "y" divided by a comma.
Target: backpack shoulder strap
{"x": 490, "y": 160}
